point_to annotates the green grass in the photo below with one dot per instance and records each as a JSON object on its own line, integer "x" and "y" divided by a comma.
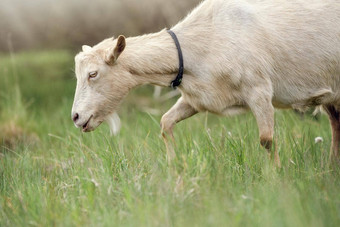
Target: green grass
{"x": 53, "y": 175}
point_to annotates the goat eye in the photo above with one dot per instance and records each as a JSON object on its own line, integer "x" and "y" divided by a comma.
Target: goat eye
{"x": 93, "y": 75}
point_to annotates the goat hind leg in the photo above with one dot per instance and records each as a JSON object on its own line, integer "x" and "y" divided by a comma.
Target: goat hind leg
{"x": 334, "y": 119}
{"x": 263, "y": 111}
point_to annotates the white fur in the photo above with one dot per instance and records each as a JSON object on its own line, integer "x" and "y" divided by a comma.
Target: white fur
{"x": 86, "y": 48}
{"x": 114, "y": 123}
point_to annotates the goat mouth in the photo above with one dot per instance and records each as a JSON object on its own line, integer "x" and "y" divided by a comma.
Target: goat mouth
{"x": 86, "y": 126}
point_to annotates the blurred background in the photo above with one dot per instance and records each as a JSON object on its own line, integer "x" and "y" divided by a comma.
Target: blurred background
{"x": 67, "y": 24}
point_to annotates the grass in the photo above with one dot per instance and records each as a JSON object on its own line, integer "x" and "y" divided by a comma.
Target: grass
{"x": 53, "y": 175}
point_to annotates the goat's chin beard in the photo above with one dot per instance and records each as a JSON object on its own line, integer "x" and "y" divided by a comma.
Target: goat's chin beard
{"x": 114, "y": 123}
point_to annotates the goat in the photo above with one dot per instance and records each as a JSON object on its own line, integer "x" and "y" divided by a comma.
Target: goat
{"x": 239, "y": 55}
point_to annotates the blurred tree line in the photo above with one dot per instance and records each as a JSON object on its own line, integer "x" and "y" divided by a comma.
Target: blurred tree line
{"x": 51, "y": 24}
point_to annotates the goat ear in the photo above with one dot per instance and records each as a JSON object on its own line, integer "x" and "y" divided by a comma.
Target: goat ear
{"x": 86, "y": 48}
{"x": 113, "y": 56}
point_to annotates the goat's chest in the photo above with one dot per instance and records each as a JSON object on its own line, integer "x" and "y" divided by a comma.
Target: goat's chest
{"x": 210, "y": 98}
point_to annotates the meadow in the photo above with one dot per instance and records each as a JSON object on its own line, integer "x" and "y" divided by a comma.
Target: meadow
{"x": 51, "y": 174}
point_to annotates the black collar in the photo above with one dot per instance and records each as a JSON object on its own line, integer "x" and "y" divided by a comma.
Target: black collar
{"x": 179, "y": 77}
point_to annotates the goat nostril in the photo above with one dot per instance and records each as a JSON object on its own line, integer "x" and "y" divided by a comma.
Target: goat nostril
{"x": 75, "y": 117}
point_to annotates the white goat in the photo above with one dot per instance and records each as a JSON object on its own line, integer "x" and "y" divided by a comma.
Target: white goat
{"x": 238, "y": 55}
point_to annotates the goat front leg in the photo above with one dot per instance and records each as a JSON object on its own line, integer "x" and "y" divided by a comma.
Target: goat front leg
{"x": 263, "y": 110}
{"x": 180, "y": 111}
